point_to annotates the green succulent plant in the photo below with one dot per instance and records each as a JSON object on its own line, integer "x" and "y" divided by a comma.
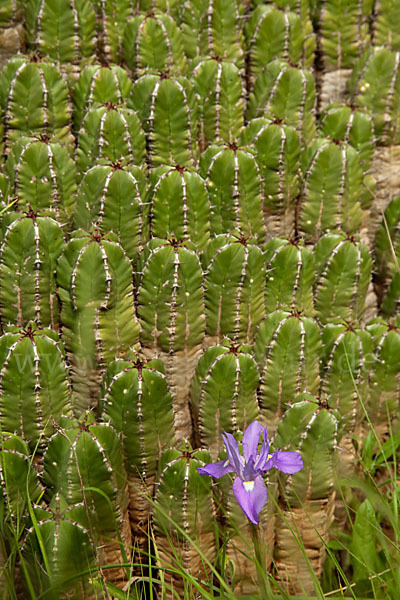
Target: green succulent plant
{"x": 307, "y": 497}
{"x": 375, "y": 85}
{"x": 275, "y": 33}
{"x": 137, "y": 403}
{"x": 277, "y": 151}
{"x": 166, "y": 107}
{"x": 112, "y": 16}
{"x": 223, "y": 394}
{"x": 28, "y": 258}
{"x": 386, "y": 26}
{"x": 333, "y": 180}
{"x": 111, "y": 197}
{"x": 345, "y": 31}
{"x": 152, "y": 42}
{"x": 34, "y": 384}
{"x": 290, "y": 274}
{"x": 63, "y": 30}
{"x": 98, "y": 84}
{"x": 34, "y": 100}
{"x": 95, "y": 276}
{"x": 387, "y": 259}
{"x": 234, "y": 288}
{"x": 178, "y": 205}
{"x": 184, "y": 509}
{"x": 213, "y": 28}
{"x": 170, "y": 308}
{"x": 235, "y": 190}
{"x": 343, "y": 276}
{"x": 219, "y": 88}
{"x": 287, "y": 349}
{"x": 42, "y": 177}
{"x": 84, "y": 465}
{"x": 285, "y": 92}
{"x": 110, "y": 132}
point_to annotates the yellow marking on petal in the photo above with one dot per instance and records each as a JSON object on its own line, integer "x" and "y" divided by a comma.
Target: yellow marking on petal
{"x": 248, "y": 486}
{"x": 226, "y": 463}
{"x": 269, "y": 456}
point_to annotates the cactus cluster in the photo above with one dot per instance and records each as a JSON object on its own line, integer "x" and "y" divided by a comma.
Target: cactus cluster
{"x": 196, "y": 232}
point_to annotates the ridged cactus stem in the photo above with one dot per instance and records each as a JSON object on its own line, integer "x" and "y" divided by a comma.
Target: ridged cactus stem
{"x": 151, "y": 142}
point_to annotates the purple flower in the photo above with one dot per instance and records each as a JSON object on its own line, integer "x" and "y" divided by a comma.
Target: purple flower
{"x": 249, "y": 487}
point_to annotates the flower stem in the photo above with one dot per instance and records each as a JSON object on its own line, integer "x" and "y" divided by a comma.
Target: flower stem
{"x": 261, "y": 563}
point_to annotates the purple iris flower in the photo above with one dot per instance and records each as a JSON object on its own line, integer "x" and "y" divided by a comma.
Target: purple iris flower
{"x": 249, "y": 487}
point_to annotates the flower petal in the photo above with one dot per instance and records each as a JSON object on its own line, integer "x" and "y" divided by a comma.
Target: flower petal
{"x": 251, "y": 437}
{"x": 232, "y": 449}
{"x": 251, "y": 495}
{"x": 287, "y": 462}
{"x": 217, "y": 469}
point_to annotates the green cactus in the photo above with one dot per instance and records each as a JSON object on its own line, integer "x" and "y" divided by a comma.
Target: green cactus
{"x": 348, "y": 123}
{"x": 233, "y": 289}
{"x": 223, "y": 394}
{"x": 42, "y": 176}
{"x": 384, "y": 375}
{"x": 183, "y": 510}
{"x": 179, "y": 206}
{"x": 63, "y": 30}
{"x": 277, "y": 151}
{"x": 275, "y": 33}
{"x": 290, "y": 272}
{"x": 387, "y": 260}
{"x": 347, "y": 356}
{"x": 34, "y": 384}
{"x": 28, "y": 257}
{"x": 285, "y": 92}
{"x": 68, "y": 547}
{"x": 235, "y": 190}
{"x": 344, "y": 268}
{"x": 344, "y": 27}
{"x": 213, "y": 28}
{"x": 110, "y": 132}
{"x": 34, "y": 99}
{"x": 386, "y": 26}
{"x": 172, "y": 8}
{"x": 375, "y": 85}
{"x": 110, "y": 198}
{"x": 99, "y": 84}
{"x": 333, "y": 181}
{"x": 112, "y": 16}
{"x": 152, "y": 42}
{"x": 219, "y": 89}
{"x": 170, "y": 307}
{"x": 10, "y": 12}
{"x": 84, "y": 465}
{"x": 166, "y": 106}
{"x": 313, "y": 429}
{"x": 287, "y": 350}
{"x": 137, "y": 403}
{"x": 99, "y": 324}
